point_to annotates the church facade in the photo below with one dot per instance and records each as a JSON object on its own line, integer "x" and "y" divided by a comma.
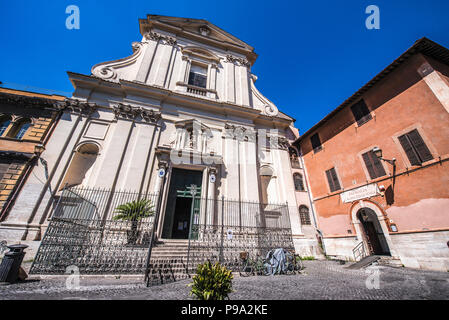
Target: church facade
{"x": 183, "y": 110}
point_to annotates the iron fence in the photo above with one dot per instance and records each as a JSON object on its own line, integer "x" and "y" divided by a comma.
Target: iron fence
{"x": 98, "y": 231}
{"x": 111, "y": 232}
{"x": 230, "y": 227}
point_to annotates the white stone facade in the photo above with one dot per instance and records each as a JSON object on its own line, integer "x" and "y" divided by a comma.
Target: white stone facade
{"x": 133, "y": 115}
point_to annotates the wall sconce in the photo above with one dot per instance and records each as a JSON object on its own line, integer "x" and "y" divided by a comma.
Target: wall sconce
{"x": 378, "y": 153}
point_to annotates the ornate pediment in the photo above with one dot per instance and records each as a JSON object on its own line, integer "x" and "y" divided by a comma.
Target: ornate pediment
{"x": 199, "y": 29}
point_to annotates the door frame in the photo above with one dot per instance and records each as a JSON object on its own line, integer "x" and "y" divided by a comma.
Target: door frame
{"x": 166, "y": 190}
{"x": 380, "y": 217}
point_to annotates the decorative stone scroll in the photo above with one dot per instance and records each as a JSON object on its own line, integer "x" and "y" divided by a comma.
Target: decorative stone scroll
{"x": 160, "y": 37}
{"x": 106, "y": 70}
{"x": 239, "y": 61}
{"x": 78, "y": 107}
{"x": 129, "y": 112}
{"x": 240, "y": 133}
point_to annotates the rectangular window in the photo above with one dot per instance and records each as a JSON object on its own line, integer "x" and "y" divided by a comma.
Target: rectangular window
{"x": 373, "y": 165}
{"x": 198, "y": 76}
{"x": 316, "y": 143}
{"x": 332, "y": 179}
{"x": 361, "y": 112}
{"x": 415, "y": 148}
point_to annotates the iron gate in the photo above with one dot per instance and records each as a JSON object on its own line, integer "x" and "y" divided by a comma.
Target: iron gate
{"x": 234, "y": 227}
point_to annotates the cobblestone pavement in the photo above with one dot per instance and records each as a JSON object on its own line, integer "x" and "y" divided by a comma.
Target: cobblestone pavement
{"x": 319, "y": 280}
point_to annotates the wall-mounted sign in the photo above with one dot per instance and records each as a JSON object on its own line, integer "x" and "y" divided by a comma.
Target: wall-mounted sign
{"x": 161, "y": 173}
{"x": 364, "y": 192}
{"x": 212, "y": 178}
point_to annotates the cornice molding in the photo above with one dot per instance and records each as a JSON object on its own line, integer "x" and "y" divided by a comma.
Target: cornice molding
{"x": 28, "y": 102}
{"x": 165, "y": 95}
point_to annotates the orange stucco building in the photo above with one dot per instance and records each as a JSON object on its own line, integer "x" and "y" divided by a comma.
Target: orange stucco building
{"x": 378, "y": 164}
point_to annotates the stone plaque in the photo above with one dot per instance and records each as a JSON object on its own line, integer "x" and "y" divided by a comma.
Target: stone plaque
{"x": 368, "y": 191}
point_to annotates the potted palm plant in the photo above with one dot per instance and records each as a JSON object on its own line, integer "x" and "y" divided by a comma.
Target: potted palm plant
{"x": 134, "y": 211}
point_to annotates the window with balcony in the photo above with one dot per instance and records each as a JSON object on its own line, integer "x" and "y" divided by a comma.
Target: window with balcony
{"x": 198, "y": 76}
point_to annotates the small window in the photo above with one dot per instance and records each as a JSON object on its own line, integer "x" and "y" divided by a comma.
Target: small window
{"x": 20, "y": 128}
{"x": 373, "y": 165}
{"x": 316, "y": 143}
{"x": 4, "y": 124}
{"x": 299, "y": 182}
{"x": 198, "y": 76}
{"x": 294, "y": 158}
{"x": 415, "y": 148}
{"x": 304, "y": 215}
{"x": 332, "y": 179}
{"x": 361, "y": 112}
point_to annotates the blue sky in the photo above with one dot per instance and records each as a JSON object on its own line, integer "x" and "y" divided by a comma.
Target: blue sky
{"x": 312, "y": 54}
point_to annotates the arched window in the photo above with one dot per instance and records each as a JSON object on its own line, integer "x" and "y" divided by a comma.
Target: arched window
{"x": 20, "y": 128}
{"x": 299, "y": 183}
{"x": 5, "y": 121}
{"x": 82, "y": 162}
{"x": 304, "y": 215}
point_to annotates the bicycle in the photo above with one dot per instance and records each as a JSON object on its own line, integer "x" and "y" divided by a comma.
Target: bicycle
{"x": 258, "y": 266}
{"x": 294, "y": 263}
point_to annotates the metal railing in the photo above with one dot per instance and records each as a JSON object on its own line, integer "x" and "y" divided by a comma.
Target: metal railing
{"x": 110, "y": 232}
{"x": 359, "y": 251}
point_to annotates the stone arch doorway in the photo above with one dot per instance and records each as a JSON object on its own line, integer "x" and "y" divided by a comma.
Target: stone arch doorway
{"x": 373, "y": 234}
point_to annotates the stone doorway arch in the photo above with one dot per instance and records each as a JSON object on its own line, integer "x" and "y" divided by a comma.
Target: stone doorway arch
{"x": 376, "y": 216}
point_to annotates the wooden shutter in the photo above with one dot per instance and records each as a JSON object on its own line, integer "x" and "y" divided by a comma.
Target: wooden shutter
{"x": 419, "y": 145}
{"x": 332, "y": 178}
{"x": 411, "y": 154}
{"x": 361, "y": 112}
{"x": 415, "y": 148}
{"x": 373, "y": 165}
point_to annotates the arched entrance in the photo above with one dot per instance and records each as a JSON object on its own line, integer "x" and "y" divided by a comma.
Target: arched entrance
{"x": 372, "y": 232}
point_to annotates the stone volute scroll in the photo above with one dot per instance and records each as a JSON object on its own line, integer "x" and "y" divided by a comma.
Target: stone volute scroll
{"x": 111, "y": 70}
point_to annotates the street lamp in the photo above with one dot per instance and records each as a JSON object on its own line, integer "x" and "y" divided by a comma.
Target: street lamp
{"x": 378, "y": 153}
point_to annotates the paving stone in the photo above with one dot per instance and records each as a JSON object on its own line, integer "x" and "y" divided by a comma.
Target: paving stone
{"x": 327, "y": 280}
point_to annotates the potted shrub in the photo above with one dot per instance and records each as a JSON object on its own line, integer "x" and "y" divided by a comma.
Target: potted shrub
{"x": 134, "y": 211}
